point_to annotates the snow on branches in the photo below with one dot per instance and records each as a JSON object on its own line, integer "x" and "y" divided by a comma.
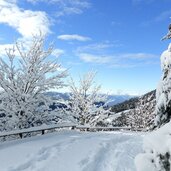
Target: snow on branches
{"x": 86, "y": 104}
{"x": 157, "y": 151}
{"x": 25, "y": 74}
{"x": 163, "y": 94}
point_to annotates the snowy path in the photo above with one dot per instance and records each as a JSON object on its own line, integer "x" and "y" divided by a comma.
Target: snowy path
{"x": 72, "y": 151}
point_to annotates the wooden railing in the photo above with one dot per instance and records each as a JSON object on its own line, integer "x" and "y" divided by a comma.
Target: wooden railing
{"x": 87, "y": 128}
{"x": 45, "y": 128}
{"x": 41, "y": 129}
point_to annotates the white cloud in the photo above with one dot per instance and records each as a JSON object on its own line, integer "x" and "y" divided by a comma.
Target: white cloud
{"x": 26, "y": 22}
{"x": 102, "y": 53}
{"x": 73, "y": 37}
{"x": 127, "y": 60}
{"x": 58, "y": 52}
{"x": 98, "y": 46}
{"x": 138, "y": 56}
{"x": 90, "y": 58}
{"x": 66, "y": 7}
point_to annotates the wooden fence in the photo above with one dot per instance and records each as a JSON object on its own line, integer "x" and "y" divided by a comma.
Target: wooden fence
{"x": 87, "y": 128}
{"x": 44, "y": 128}
{"x": 41, "y": 129}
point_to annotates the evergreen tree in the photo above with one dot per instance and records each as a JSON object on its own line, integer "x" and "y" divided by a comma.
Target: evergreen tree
{"x": 156, "y": 154}
{"x": 163, "y": 93}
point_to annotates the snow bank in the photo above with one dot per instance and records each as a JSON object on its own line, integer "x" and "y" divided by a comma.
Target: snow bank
{"x": 157, "y": 147}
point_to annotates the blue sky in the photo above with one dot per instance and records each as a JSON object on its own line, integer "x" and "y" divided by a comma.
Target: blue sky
{"x": 118, "y": 39}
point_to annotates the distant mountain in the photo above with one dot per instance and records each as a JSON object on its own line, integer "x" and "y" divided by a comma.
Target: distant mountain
{"x": 126, "y": 105}
{"x": 112, "y": 99}
{"x": 115, "y": 99}
{"x": 135, "y": 102}
{"x": 57, "y": 95}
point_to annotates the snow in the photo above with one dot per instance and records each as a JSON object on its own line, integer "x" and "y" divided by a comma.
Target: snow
{"x": 72, "y": 151}
{"x": 165, "y": 58}
{"x": 117, "y": 115}
{"x": 157, "y": 144}
{"x": 163, "y": 93}
{"x": 143, "y": 162}
{"x": 154, "y": 144}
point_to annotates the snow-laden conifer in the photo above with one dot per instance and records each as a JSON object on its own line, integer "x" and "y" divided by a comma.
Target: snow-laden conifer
{"x": 157, "y": 151}
{"x": 163, "y": 93}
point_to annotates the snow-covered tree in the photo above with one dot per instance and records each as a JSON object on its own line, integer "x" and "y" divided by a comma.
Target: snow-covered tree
{"x": 163, "y": 94}
{"x": 157, "y": 151}
{"x": 25, "y": 74}
{"x": 142, "y": 117}
{"x": 86, "y": 104}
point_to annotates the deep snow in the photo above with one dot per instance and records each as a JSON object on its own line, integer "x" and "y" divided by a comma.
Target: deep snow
{"x": 72, "y": 151}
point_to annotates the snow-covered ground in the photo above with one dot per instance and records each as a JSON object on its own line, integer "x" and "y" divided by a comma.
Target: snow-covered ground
{"x": 72, "y": 151}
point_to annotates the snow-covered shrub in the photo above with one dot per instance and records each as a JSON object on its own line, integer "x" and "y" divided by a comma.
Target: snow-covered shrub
{"x": 157, "y": 145}
{"x": 157, "y": 150}
{"x": 86, "y": 104}
{"x": 25, "y": 74}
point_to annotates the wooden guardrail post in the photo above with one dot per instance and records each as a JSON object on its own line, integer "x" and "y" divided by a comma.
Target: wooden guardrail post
{"x": 73, "y": 127}
{"x": 21, "y": 135}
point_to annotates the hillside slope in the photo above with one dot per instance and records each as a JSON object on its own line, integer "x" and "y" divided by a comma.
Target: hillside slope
{"x": 136, "y": 112}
